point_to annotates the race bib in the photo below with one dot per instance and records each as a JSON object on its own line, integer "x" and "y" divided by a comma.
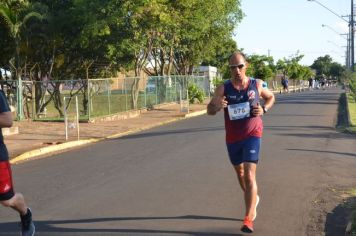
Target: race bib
{"x": 239, "y": 111}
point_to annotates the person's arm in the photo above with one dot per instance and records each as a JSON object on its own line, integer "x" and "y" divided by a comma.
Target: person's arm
{"x": 218, "y": 101}
{"x": 5, "y": 113}
{"x": 5, "y": 119}
{"x": 268, "y": 98}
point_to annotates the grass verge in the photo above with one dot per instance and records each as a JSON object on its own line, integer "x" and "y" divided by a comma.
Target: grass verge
{"x": 351, "y": 105}
{"x": 352, "y": 113}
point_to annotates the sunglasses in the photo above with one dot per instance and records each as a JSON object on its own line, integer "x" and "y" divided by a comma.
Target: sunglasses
{"x": 240, "y": 66}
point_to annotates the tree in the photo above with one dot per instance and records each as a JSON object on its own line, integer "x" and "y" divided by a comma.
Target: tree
{"x": 322, "y": 65}
{"x": 202, "y": 30}
{"x": 291, "y": 67}
{"x": 336, "y": 70}
{"x": 261, "y": 67}
{"x": 15, "y": 14}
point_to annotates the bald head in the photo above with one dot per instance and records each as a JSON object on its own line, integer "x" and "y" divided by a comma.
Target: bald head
{"x": 237, "y": 56}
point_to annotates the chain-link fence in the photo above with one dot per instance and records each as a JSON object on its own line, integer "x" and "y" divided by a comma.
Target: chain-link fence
{"x": 97, "y": 97}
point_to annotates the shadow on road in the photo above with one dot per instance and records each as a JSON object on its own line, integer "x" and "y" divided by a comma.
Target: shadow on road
{"x": 321, "y": 151}
{"x": 327, "y": 135}
{"x": 58, "y": 226}
{"x": 337, "y": 220}
{"x": 293, "y": 127}
{"x": 175, "y": 131}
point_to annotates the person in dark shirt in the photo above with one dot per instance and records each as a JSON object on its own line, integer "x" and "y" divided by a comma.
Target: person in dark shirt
{"x": 8, "y": 197}
{"x": 240, "y": 99}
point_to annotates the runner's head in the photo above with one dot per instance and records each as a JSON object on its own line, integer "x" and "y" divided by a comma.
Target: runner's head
{"x": 238, "y": 65}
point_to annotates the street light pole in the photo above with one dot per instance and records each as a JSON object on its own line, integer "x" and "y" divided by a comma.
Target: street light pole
{"x": 352, "y": 37}
{"x": 348, "y": 54}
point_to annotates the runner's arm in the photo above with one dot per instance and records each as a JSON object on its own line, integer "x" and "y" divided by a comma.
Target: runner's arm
{"x": 5, "y": 119}
{"x": 218, "y": 101}
{"x": 266, "y": 95}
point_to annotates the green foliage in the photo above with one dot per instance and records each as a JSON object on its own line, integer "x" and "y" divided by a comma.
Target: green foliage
{"x": 15, "y": 16}
{"x": 81, "y": 39}
{"x": 195, "y": 93}
{"x": 291, "y": 68}
{"x": 352, "y": 85}
{"x": 336, "y": 70}
{"x": 306, "y": 72}
{"x": 351, "y": 103}
{"x": 322, "y": 65}
{"x": 217, "y": 81}
{"x": 326, "y": 66}
{"x": 261, "y": 67}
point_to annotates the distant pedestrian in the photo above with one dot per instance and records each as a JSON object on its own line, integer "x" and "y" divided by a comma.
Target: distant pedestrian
{"x": 323, "y": 81}
{"x": 310, "y": 82}
{"x": 284, "y": 83}
{"x": 8, "y": 197}
{"x": 240, "y": 99}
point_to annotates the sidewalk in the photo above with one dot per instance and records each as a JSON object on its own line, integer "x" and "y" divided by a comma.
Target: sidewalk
{"x": 39, "y": 138}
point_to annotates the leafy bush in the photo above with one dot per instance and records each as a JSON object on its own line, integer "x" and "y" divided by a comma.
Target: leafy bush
{"x": 217, "y": 81}
{"x": 195, "y": 93}
{"x": 352, "y": 84}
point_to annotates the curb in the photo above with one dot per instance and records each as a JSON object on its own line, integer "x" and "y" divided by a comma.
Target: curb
{"x": 63, "y": 146}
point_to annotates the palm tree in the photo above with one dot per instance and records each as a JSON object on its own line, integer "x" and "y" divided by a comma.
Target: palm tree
{"x": 15, "y": 14}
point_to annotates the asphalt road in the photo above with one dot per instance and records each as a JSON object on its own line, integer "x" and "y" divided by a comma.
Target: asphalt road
{"x": 177, "y": 180}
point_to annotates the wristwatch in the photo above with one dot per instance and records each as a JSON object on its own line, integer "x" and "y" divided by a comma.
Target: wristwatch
{"x": 264, "y": 109}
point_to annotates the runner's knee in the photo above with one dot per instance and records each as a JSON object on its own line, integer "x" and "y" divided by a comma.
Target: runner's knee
{"x": 249, "y": 179}
{"x": 239, "y": 170}
{"x": 6, "y": 203}
{"x": 12, "y": 202}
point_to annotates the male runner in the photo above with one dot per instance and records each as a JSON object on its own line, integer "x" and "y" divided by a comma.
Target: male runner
{"x": 240, "y": 99}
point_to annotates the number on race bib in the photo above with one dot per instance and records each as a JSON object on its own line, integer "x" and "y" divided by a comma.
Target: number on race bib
{"x": 239, "y": 111}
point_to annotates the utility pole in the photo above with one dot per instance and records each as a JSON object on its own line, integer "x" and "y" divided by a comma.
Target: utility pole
{"x": 352, "y": 36}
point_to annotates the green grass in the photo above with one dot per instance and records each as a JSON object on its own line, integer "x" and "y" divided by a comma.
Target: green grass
{"x": 352, "y": 109}
{"x": 101, "y": 105}
{"x": 352, "y": 128}
{"x": 352, "y": 113}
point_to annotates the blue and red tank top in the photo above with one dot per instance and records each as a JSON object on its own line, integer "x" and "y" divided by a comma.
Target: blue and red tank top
{"x": 239, "y": 124}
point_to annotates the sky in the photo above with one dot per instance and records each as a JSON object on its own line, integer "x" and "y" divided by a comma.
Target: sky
{"x": 281, "y": 28}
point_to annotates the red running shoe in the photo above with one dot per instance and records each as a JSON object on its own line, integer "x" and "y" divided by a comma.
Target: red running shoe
{"x": 247, "y": 226}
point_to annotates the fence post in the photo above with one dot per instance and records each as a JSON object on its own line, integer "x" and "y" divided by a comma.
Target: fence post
{"x": 156, "y": 90}
{"x": 65, "y": 118}
{"x": 89, "y": 99}
{"x": 19, "y": 99}
{"x": 77, "y": 116}
{"x": 145, "y": 93}
{"x": 109, "y": 92}
{"x": 125, "y": 94}
{"x": 34, "y": 112}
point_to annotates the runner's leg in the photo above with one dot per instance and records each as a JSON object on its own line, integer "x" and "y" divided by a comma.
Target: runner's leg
{"x": 239, "y": 169}
{"x": 251, "y": 188}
